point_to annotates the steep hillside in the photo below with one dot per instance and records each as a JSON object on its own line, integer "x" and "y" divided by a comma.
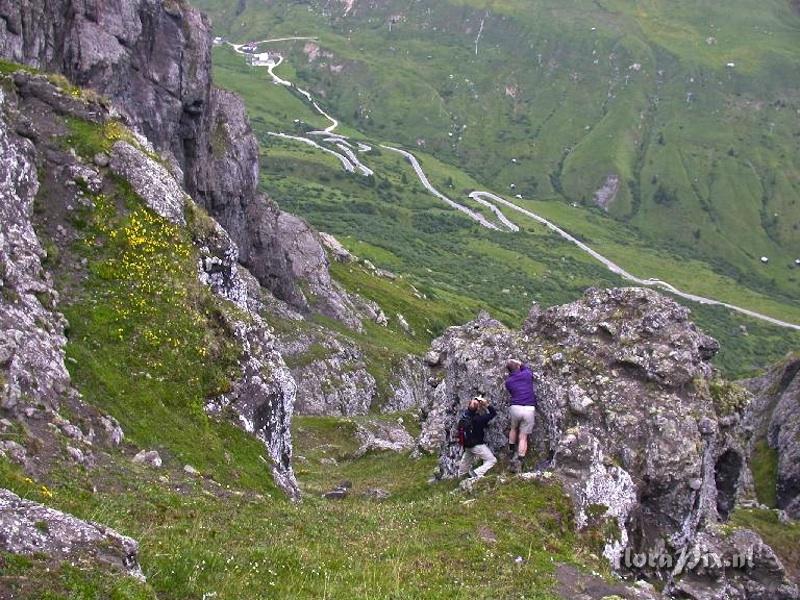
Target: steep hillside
{"x": 687, "y": 108}
{"x": 558, "y": 102}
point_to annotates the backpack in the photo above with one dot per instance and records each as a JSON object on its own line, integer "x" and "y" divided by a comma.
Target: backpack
{"x": 464, "y": 427}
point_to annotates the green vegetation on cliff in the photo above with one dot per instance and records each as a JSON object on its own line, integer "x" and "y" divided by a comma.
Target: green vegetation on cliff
{"x": 146, "y": 341}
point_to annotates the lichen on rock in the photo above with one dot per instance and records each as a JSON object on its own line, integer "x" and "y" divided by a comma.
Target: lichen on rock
{"x": 30, "y": 528}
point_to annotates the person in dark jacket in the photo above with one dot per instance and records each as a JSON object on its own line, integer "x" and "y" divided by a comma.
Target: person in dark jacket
{"x": 472, "y": 426}
{"x": 519, "y": 384}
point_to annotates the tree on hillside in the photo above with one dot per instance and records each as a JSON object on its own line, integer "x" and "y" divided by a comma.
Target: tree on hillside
{"x": 665, "y": 196}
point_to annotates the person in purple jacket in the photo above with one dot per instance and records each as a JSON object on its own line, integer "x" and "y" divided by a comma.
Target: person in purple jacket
{"x": 519, "y": 384}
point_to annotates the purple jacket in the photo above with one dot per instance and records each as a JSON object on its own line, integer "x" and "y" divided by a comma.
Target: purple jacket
{"x": 520, "y": 386}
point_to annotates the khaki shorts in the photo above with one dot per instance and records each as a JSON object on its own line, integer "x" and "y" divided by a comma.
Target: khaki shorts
{"x": 523, "y": 417}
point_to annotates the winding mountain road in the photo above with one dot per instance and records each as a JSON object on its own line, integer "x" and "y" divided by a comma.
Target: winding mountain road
{"x": 615, "y": 268}
{"x": 350, "y": 163}
{"x": 346, "y": 164}
{"x": 265, "y": 59}
{"x": 479, "y": 218}
{"x": 479, "y": 198}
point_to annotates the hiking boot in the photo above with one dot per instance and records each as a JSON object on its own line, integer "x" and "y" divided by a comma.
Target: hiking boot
{"x": 515, "y": 465}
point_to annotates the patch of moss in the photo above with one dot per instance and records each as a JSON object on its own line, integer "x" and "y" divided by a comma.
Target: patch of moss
{"x": 199, "y": 224}
{"x": 8, "y": 67}
{"x": 784, "y": 538}
{"x": 42, "y": 526}
{"x": 728, "y": 397}
{"x": 313, "y": 354}
{"x": 88, "y": 138}
{"x": 219, "y": 140}
{"x": 764, "y": 465}
{"x": 52, "y": 254}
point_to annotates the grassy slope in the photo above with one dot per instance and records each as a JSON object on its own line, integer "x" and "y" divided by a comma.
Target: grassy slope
{"x": 764, "y": 464}
{"x": 423, "y": 542}
{"x": 130, "y": 352}
{"x": 729, "y": 167}
{"x": 784, "y": 538}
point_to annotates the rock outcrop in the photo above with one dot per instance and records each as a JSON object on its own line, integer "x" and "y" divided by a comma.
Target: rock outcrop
{"x": 31, "y": 335}
{"x": 31, "y": 528}
{"x": 35, "y": 386}
{"x": 408, "y": 385}
{"x": 330, "y": 371}
{"x": 280, "y": 249}
{"x": 774, "y": 416}
{"x": 263, "y": 396}
{"x": 639, "y": 429}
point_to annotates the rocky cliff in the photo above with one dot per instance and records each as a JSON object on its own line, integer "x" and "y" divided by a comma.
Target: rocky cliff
{"x": 640, "y": 430}
{"x": 152, "y": 61}
{"x": 774, "y": 418}
{"x": 148, "y": 65}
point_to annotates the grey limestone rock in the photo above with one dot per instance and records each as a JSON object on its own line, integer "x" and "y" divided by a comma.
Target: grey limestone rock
{"x": 27, "y": 527}
{"x": 774, "y": 416}
{"x": 626, "y": 412}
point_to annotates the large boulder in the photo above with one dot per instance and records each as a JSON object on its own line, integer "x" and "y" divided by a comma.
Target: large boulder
{"x": 640, "y": 430}
{"x": 29, "y": 528}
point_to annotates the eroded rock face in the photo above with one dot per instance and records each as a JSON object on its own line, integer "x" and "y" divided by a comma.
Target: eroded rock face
{"x": 283, "y": 251}
{"x": 152, "y": 59}
{"x": 755, "y": 572}
{"x": 774, "y": 416}
{"x": 331, "y": 373}
{"x": 31, "y": 335}
{"x": 29, "y": 528}
{"x": 626, "y": 412}
{"x": 279, "y": 249}
{"x": 263, "y": 397}
{"x": 409, "y": 386}
{"x": 333, "y": 378}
